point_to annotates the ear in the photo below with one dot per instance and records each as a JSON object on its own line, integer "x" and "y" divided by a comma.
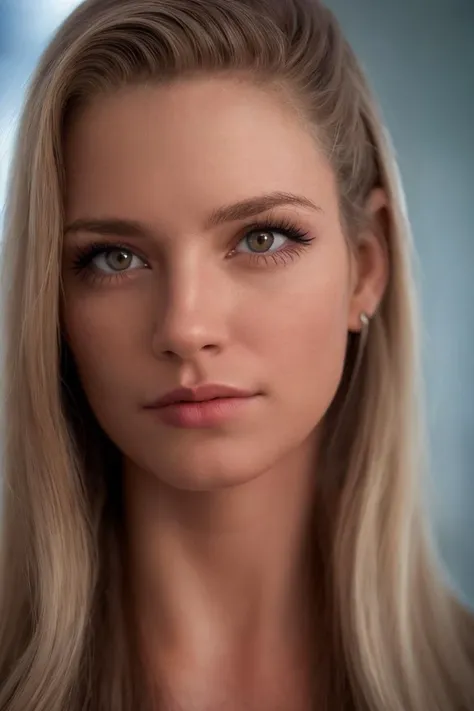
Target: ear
{"x": 370, "y": 271}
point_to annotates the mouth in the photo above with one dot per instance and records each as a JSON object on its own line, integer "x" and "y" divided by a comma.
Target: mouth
{"x": 202, "y": 393}
{"x": 210, "y": 399}
{"x": 208, "y": 406}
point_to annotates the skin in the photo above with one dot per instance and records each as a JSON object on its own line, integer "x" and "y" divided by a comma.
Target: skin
{"x": 217, "y": 518}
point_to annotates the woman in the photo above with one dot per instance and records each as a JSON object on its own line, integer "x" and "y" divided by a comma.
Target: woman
{"x": 212, "y": 466}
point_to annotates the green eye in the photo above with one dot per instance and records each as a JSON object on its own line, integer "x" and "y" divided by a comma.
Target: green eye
{"x": 260, "y": 241}
{"x": 118, "y": 259}
{"x": 115, "y": 260}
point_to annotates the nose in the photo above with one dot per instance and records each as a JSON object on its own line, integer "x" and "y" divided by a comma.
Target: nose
{"x": 192, "y": 315}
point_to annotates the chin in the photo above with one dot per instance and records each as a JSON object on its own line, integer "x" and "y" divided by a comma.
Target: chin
{"x": 206, "y": 465}
{"x": 207, "y": 479}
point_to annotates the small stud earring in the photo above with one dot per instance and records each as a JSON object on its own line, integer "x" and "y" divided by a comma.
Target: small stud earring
{"x": 364, "y": 319}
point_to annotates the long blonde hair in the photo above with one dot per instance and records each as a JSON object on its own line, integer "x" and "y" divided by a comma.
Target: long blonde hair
{"x": 396, "y": 636}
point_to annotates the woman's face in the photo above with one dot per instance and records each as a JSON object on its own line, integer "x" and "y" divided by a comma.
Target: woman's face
{"x": 211, "y": 252}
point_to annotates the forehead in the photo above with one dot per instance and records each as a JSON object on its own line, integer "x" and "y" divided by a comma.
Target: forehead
{"x": 189, "y": 144}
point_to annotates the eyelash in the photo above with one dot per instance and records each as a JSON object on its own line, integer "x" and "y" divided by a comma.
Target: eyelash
{"x": 82, "y": 263}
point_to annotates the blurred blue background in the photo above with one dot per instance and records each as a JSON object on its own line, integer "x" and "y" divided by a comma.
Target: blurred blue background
{"x": 419, "y": 55}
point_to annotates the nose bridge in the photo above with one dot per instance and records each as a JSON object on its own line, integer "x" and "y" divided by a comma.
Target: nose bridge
{"x": 192, "y": 309}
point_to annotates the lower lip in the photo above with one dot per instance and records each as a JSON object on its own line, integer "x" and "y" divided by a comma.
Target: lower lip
{"x": 207, "y": 413}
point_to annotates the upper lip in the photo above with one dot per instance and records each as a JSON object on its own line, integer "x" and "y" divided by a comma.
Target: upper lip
{"x": 200, "y": 393}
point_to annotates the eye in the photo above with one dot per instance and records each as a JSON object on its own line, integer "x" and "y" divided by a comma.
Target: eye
{"x": 115, "y": 260}
{"x": 278, "y": 238}
{"x": 262, "y": 241}
{"x": 99, "y": 261}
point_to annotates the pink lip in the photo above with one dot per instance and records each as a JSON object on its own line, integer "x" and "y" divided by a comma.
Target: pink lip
{"x": 204, "y": 406}
{"x": 200, "y": 393}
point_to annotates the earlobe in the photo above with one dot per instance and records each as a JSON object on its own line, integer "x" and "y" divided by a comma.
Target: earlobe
{"x": 361, "y": 323}
{"x": 371, "y": 260}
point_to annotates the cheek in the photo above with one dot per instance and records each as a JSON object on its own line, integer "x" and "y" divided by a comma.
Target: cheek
{"x": 103, "y": 335}
{"x": 309, "y": 343}
{"x": 304, "y": 339}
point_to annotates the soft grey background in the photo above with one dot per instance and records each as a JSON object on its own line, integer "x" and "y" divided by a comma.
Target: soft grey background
{"x": 419, "y": 55}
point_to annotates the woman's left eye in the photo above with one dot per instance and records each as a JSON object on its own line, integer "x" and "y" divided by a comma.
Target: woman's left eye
{"x": 272, "y": 239}
{"x": 262, "y": 241}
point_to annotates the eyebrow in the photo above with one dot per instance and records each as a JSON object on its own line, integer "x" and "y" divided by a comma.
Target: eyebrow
{"x": 256, "y": 205}
{"x": 244, "y": 209}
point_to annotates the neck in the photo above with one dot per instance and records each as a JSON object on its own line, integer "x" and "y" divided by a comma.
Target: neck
{"x": 223, "y": 575}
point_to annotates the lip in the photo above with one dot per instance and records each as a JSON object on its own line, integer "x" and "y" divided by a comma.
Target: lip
{"x": 204, "y": 406}
{"x": 201, "y": 393}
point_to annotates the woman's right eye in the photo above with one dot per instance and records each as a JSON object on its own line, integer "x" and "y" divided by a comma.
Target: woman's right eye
{"x": 113, "y": 261}
{"x": 107, "y": 260}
